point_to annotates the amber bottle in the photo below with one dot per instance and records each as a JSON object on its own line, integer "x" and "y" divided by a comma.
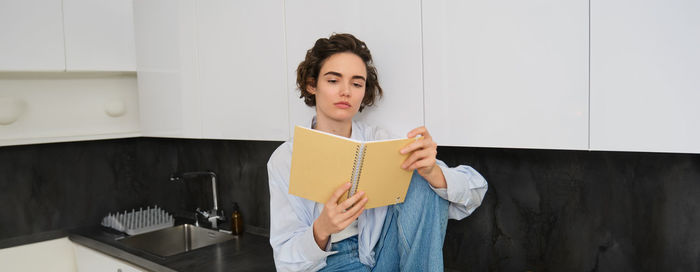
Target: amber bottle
{"x": 236, "y": 221}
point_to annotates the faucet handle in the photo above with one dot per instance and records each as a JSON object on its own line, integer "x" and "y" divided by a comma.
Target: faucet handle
{"x": 175, "y": 177}
{"x": 220, "y": 215}
{"x": 203, "y": 213}
{"x": 196, "y": 219}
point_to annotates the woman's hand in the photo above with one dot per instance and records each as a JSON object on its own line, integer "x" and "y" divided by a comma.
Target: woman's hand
{"x": 424, "y": 158}
{"x": 336, "y": 217}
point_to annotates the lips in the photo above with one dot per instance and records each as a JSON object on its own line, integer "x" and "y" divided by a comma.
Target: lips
{"x": 342, "y": 105}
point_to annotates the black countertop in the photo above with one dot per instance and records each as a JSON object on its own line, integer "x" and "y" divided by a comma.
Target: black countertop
{"x": 248, "y": 252}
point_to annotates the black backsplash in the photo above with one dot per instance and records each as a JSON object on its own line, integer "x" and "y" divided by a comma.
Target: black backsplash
{"x": 545, "y": 210}
{"x": 549, "y": 210}
{"x": 67, "y": 185}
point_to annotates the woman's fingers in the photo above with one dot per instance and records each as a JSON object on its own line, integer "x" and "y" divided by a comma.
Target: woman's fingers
{"x": 358, "y": 206}
{"x": 422, "y": 165}
{"x": 355, "y": 212}
{"x": 424, "y": 152}
{"x": 344, "y": 217}
{"x": 350, "y": 201}
{"x": 419, "y": 131}
{"x": 417, "y": 156}
{"x": 338, "y": 192}
{"x": 412, "y": 146}
{"x": 334, "y": 217}
{"x": 410, "y": 160}
{"x": 417, "y": 145}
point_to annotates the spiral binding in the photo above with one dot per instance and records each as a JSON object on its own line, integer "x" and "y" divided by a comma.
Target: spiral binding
{"x": 361, "y": 164}
{"x": 360, "y": 152}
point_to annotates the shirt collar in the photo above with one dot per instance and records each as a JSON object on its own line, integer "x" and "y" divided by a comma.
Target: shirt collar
{"x": 355, "y": 134}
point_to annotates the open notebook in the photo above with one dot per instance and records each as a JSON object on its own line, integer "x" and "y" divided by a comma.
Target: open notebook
{"x": 321, "y": 162}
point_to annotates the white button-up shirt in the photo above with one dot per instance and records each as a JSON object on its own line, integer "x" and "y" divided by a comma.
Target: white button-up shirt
{"x": 292, "y": 217}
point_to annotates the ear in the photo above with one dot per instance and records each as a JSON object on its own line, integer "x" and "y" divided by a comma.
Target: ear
{"x": 311, "y": 89}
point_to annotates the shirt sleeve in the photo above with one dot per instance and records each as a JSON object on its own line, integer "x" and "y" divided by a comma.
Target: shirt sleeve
{"x": 465, "y": 189}
{"x": 291, "y": 235}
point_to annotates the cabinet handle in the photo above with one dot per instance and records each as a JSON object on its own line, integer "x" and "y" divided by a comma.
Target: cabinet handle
{"x": 115, "y": 108}
{"x": 10, "y": 109}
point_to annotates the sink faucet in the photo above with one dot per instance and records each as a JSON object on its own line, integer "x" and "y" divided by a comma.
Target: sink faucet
{"x": 213, "y": 216}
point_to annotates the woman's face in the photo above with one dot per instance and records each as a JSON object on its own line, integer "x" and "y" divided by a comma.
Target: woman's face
{"x": 340, "y": 87}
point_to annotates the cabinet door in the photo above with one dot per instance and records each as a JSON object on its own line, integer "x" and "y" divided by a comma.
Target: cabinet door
{"x": 55, "y": 255}
{"x": 507, "y": 73}
{"x": 99, "y": 35}
{"x": 91, "y": 260}
{"x": 391, "y": 30}
{"x": 32, "y": 35}
{"x": 59, "y": 107}
{"x": 169, "y": 102}
{"x": 645, "y": 88}
{"x": 241, "y": 69}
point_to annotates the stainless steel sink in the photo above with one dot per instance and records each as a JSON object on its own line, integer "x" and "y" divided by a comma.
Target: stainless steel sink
{"x": 174, "y": 240}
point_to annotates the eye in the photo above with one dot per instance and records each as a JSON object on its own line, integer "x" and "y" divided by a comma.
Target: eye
{"x": 357, "y": 85}
{"x": 332, "y": 80}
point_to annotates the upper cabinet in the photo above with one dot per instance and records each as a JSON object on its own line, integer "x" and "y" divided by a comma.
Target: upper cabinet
{"x": 211, "y": 69}
{"x": 645, "y": 88}
{"x": 507, "y": 74}
{"x": 241, "y": 69}
{"x": 165, "y": 57}
{"x": 40, "y": 39}
{"x": 99, "y": 35}
{"x": 57, "y": 107}
{"x": 391, "y": 30}
{"x": 32, "y": 35}
{"x": 68, "y": 35}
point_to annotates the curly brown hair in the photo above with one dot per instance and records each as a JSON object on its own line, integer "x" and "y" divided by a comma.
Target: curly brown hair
{"x": 308, "y": 70}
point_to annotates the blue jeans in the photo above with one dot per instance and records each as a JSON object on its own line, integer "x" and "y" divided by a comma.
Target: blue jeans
{"x": 411, "y": 239}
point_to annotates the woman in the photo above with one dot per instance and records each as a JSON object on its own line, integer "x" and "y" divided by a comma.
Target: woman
{"x": 338, "y": 78}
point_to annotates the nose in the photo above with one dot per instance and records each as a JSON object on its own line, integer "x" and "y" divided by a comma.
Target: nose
{"x": 344, "y": 90}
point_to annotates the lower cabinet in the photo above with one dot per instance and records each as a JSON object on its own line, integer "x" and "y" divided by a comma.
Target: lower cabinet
{"x": 60, "y": 255}
{"x": 55, "y": 255}
{"x": 90, "y": 260}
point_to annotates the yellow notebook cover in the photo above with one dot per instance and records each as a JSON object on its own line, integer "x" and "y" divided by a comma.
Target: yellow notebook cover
{"x": 321, "y": 162}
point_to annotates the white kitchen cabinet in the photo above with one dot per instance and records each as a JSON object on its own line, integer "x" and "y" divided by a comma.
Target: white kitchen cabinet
{"x": 31, "y": 34}
{"x": 55, "y": 255}
{"x": 391, "y": 30}
{"x": 58, "y": 107}
{"x": 165, "y": 56}
{"x": 241, "y": 69}
{"x": 68, "y": 35}
{"x": 645, "y": 88}
{"x": 99, "y": 35}
{"x": 507, "y": 74}
{"x": 211, "y": 69}
{"x": 88, "y": 260}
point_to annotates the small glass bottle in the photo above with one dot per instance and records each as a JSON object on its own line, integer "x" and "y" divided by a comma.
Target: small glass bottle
{"x": 236, "y": 221}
